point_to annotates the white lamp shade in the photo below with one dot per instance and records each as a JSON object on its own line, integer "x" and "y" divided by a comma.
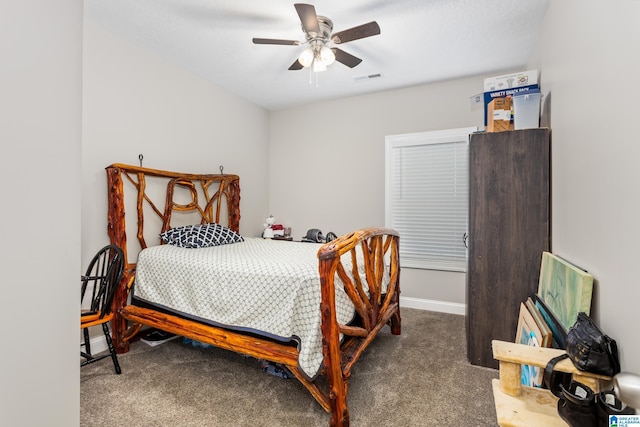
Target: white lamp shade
{"x": 327, "y": 55}
{"x": 306, "y": 57}
{"x": 319, "y": 65}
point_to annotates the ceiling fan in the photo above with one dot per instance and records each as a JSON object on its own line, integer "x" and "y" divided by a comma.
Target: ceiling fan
{"x": 321, "y": 44}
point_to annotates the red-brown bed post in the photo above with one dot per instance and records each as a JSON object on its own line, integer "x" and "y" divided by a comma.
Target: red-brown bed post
{"x": 337, "y": 384}
{"x": 377, "y": 306}
{"x": 117, "y": 235}
{"x": 234, "y": 205}
{"x": 396, "y": 322}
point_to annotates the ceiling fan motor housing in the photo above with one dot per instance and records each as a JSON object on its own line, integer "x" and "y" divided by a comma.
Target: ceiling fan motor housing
{"x": 326, "y": 26}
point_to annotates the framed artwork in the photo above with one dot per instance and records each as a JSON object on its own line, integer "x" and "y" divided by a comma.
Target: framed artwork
{"x": 565, "y": 289}
{"x": 528, "y": 333}
{"x": 545, "y": 332}
{"x": 558, "y": 333}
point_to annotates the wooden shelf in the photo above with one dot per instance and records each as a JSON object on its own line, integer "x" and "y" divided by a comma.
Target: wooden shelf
{"x": 534, "y": 407}
{"x": 518, "y": 405}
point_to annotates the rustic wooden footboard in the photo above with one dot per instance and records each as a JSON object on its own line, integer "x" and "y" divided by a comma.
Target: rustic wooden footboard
{"x": 373, "y": 286}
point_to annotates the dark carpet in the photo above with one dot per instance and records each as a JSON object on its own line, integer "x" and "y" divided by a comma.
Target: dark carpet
{"x": 421, "y": 378}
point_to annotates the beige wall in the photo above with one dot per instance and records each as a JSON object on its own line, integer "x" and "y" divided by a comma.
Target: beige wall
{"x": 136, "y": 102}
{"x": 335, "y": 151}
{"x": 40, "y": 133}
{"x": 590, "y": 60}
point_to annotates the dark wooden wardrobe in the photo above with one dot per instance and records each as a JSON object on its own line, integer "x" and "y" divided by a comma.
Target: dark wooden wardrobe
{"x": 509, "y": 228}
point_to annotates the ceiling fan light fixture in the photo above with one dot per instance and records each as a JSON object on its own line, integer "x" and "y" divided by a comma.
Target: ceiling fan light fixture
{"x": 306, "y": 57}
{"x": 327, "y": 56}
{"x": 319, "y": 66}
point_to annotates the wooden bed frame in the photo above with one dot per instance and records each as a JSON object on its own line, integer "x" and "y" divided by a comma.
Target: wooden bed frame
{"x": 214, "y": 196}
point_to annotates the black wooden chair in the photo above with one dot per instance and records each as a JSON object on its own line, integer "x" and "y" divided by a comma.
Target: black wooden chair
{"x": 98, "y": 288}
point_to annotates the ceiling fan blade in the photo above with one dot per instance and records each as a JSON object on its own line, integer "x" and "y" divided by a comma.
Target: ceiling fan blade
{"x": 296, "y": 66}
{"x": 361, "y": 31}
{"x": 346, "y": 58}
{"x": 276, "y": 41}
{"x": 308, "y": 17}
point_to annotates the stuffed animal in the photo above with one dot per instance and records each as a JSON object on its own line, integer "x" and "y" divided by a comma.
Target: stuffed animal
{"x": 268, "y": 230}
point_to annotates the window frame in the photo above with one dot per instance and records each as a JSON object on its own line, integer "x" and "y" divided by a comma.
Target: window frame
{"x": 428, "y": 138}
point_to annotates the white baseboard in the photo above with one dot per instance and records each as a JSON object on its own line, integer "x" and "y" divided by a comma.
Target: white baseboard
{"x": 99, "y": 344}
{"x": 432, "y": 305}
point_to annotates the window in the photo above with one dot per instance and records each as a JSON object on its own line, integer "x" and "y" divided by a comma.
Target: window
{"x": 427, "y": 197}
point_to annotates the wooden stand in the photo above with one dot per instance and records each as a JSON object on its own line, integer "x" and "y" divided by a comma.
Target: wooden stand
{"x": 520, "y": 405}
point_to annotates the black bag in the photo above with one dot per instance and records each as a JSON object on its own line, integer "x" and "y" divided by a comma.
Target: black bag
{"x": 590, "y": 350}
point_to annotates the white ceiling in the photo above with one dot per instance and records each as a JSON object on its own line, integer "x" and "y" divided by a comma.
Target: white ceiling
{"x": 421, "y": 41}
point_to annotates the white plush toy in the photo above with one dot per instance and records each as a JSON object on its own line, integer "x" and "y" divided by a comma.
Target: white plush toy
{"x": 268, "y": 231}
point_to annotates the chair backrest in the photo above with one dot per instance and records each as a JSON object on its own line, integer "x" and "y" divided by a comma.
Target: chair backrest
{"x": 102, "y": 278}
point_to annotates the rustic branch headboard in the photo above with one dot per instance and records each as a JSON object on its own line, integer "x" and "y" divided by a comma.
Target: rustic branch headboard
{"x": 154, "y": 194}
{"x": 208, "y": 198}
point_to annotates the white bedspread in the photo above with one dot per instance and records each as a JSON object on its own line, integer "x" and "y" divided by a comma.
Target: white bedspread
{"x": 261, "y": 285}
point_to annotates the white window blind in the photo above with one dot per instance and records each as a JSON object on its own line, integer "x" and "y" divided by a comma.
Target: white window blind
{"x": 427, "y": 197}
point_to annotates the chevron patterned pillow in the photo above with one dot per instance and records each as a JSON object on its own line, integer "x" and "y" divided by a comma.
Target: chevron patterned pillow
{"x": 200, "y": 236}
